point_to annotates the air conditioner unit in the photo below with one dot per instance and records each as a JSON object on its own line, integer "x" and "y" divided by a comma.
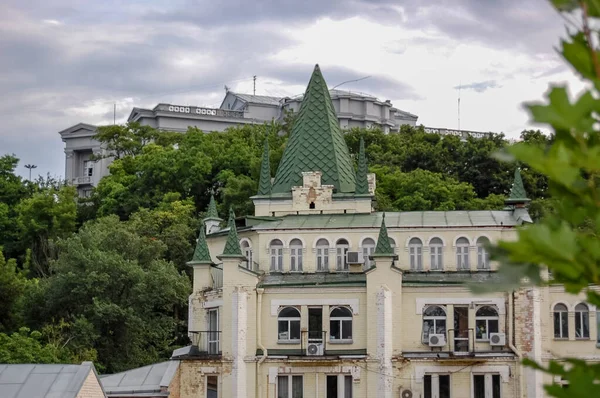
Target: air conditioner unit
{"x": 437, "y": 340}
{"x": 354, "y": 258}
{"x": 497, "y": 339}
{"x": 314, "y": 349}
{"x": 406, "y": 394}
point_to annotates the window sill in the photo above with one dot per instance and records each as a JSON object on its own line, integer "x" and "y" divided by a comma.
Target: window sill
{"x": 482, "y": 340}
{"x": 288, "y": 342}
{"x": 582, "y": 338}
{"x": 561, "y": 339}
{"x": 345, "y": 341}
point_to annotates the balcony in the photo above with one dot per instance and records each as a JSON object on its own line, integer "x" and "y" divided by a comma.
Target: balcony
{"x": 82, "y": 180}
{"x": 205, "y": 343}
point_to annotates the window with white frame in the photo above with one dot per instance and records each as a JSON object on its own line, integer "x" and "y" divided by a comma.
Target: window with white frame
{"x": 436, "y": 386}
{"x": 88, "y": 168}
{"x": 486, "y": 322}
{"x": 289, "y": 386}
{"x": 435, "y": 247}
{"x": 483, "y": 256}
{"x": 434, "y": 322}
{"x": 339, "y": 386}
{"x": 462, "y": 254}
{"x": 322, "y": 255}
{"x": 288, "y": 325}
{"x": 368, "y": 248}
{"x": 247, "y": 252}
{"x": 276, "y": 255}
{"x": 582, "y": 321}
{"x": 561, "y": 321}
{"x": 340, "y": 324}
{"x": 486, "y": 386}
{"x": 296, "y": 255}
{"x": 341, "y": 248}
{"x": 415, "y": 251}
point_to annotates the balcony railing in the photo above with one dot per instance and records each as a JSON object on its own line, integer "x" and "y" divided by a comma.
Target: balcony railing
{"x": 82, "y": 180}
{"x": 205, "y": 343}
{"x": 216, "y": 274}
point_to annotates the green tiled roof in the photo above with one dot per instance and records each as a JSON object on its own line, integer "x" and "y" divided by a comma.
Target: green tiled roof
{"x": 201, "y": 254}
{"x": 362, "y": 183}
{"x": 211, "y": 213}
{"x": 383, "y": 248}
{"x": 316, "y": 143}
{"x": 232, "y": 245}
{"x": 517, "y": 191}
{"x": 264, "y": 184}
{"x": 341, "y": 279}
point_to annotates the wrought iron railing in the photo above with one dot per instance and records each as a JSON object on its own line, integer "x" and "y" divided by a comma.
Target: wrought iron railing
{"x": 204, "y": 343}
{"x": 461, "y": 340}
{"x": 82, "y": 180}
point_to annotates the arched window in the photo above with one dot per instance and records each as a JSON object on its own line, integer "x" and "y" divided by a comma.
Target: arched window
{"x": 435, "y": 247}
{"x": 434, "y": 322}
{"x": 393, "y": 245}
{"x": 368, "y": 248}
{"x": 276, "y": 253}
{"x": 288, "y": 324}
{"x": 462, "y": 254}
{"x": 582, "y": 321}
{"x": 561, "y": 321}
{"x": 322, "y": 255}
{"x": 486, "y": 322}
{"x": 341, "y": 248}
{"x": 340, "y": 324}
{"x": 247, "y": 252}
{"x": 483, "y": 257}
{"x": 296, "y": 255}
{"x": 415, "y": 251}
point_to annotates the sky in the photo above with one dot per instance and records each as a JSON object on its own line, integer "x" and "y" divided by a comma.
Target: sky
{"x": 68, "y": 61}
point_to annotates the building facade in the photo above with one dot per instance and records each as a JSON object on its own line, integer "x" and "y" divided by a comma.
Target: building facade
{"x": 317, "y": 295}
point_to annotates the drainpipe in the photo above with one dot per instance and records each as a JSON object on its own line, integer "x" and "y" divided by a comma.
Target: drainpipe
{"x": 260, "y": 292}
{"x": 510, "y": 316}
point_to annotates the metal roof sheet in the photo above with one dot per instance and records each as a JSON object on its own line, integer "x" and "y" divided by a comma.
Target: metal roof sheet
{"x": 258, "y": 99}
{"x": 43, "y": 381}
{"x": 323, "y": 278}
{"x": 140, "y": 380}
{"x": 415, "y": 219}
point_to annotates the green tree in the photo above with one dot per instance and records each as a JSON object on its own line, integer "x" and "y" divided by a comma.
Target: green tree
{"x": 13, "y": 283}
{"x": 566, "y": 239}
{"x": 114, "y": 286}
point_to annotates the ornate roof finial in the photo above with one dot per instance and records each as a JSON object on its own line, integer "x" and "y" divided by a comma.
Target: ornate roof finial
{"x": 362, "y": 182}
{"x": 383, "y": 248}
{"x": 264, "y": 184}
{"x": 232, "y": 246}
{"x": 201, "y": 254}
{"x": 211, "y": 212}
{"x": 517, "y": 196}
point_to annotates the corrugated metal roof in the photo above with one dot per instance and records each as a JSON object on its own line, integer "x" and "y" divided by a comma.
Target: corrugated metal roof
{"x": 258, "y": 99}
{"x": 43, "y": 381}
{"x": 415, "y": 219}
{"x": 140, "y": 381}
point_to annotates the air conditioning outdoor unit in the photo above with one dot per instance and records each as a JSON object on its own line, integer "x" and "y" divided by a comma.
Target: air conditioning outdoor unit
{"x": 437, "y": 340}
{"x": 354, "y": 258}
{"x": 314, "y": 349}
{"x": 497, "y": 339}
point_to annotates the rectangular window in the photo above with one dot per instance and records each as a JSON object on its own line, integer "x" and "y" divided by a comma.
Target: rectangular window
{"x": 483, "y": 258}
{"x": 88, "y": 168}
{"x": 288, "y": 329}
{"x": 276, "y": 259}
{"x": 296, "y": 259}
{"x": 323, "y": 259}
{"x": 462, "y": 257}
{"x": 212, "y": 342}
{"x": 436, "y": 258}
{"x": 582, "y": 324}
{"x": 341, "y": 263}
{"x": 289, "y": 387}
{"x": 436, "y": 386}
{"x": 212, "y": 386}
{"x": 416, "y": 259}
{"x": 486, "y": 386}
{"x": 561, "y": 325}
{"x": 339, "y": 386}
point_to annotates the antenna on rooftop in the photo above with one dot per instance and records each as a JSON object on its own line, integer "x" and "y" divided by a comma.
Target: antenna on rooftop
{"x": 459, "y": 87}
{"x": 254, "y": 84}
{"x": 115, "y": 113}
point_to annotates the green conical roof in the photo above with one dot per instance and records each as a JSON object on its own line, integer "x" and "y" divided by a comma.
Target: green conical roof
{"x": 517, "y": 191}
{"x": 362, "y": 183}
{"x": 201, "y": 254}
{"x": 211, "y": 213}
{"x": 316, "y": 143}
{"x": 232, "y": 246}
{"x": 383, "y": 248}
{"x": 264, "y": 184}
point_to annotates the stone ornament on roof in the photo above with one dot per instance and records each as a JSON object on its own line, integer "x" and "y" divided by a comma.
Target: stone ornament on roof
{"x": 362, "y": 181}
{"x": 201, "y": 253}
{"x": 211, "y": 213}
{"x": 384, "y": 247}
{"x": 232, "y": 245}
{"x": 264, "y": 184}
{"x": 517, "y": 191}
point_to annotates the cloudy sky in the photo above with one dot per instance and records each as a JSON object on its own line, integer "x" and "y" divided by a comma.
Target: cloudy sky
{"x": 68, "y": 61}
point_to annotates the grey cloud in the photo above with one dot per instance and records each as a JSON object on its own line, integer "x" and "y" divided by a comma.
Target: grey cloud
{"x": 479, "y": 87}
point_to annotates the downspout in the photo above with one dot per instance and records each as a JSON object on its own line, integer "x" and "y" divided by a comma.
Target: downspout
{"x": 260, "y": 292}
{"x": 510, "y": 316}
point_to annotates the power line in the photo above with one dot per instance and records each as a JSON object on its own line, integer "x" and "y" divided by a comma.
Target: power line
{"x": 351, "y": 81}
